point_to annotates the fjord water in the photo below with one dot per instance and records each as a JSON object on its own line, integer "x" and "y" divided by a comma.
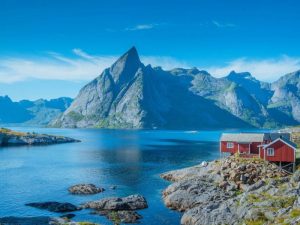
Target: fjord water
{"x": 130, "y": 159}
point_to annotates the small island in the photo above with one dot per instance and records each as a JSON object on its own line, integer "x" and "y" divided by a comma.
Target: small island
{"x": 11, "y": 138}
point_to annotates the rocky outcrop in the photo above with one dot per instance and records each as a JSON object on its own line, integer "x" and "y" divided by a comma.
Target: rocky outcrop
{"x": 119, "y": 210}
{"x": 121, "y": 216}
{"x": 9, "y": 137}
{"x": 132, "y": 202}
{"x": 85, "y": 189}
{"x": 54, "y": 206}
{"x": 234, "y": 191}
{"x": 41, "y": 220}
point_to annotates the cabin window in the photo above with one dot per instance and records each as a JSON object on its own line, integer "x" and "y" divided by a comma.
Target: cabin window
{"x": 229, "y": 145}
{"x": 270, "y": 151}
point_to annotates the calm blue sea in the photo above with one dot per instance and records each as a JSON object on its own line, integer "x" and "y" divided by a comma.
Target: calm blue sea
{"x": 131, "y": 160}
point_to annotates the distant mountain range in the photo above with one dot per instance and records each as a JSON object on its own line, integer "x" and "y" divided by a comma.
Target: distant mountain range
{"x": 132, "y": 95}
{"x": 31, "y": 113}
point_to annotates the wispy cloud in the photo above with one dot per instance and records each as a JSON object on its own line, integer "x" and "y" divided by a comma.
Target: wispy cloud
{"x": 266, "y": 69}
{"x": 81, "y": 66}
{"x": 53, "y": 66}
{"x": 141, "y": 27}
{"x": 222, "y": 25}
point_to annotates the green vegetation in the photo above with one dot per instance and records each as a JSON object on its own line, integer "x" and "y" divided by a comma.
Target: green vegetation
{"x": 87, "y": 223}
{"x": 259, "y": 221}
{"x": 115, "y": 218}
{"x": 252, "y": 198}
{"x": 6, "y": 131}
{"x": 276, "y": 201}
{"x": 75, "y": 116}
{"x": 255, "y": 222}
{"x": 295, "y": 213}
{"x": 296, "y": 138}
{"x": 276, "y": 105}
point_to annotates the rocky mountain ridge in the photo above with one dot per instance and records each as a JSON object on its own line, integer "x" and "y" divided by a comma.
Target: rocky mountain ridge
{"x": 31, "y": 113}
{"x": 132, "y": 95}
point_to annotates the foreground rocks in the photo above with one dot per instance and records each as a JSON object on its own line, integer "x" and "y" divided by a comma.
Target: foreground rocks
{"x": 122, "y": 216}
{"x": 132, "y": 202}
{"x": 85, "y": 189}
{"x": 54, "y": 206}
{"x": 41, "y": 220}
{"x": 9, "y": 137}
{"x": 234, "y": 191}
{"x": 119, "y": 209}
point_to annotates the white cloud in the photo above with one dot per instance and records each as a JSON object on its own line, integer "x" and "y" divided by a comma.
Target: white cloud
{"x": 54, "y": 66}
{"x": 141, "y": 27}
{"x": 84, "y": 67}
{"x": 222, "y": 25}
{"x": 265, "y": 70}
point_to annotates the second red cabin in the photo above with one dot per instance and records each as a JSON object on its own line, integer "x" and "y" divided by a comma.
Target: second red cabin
{"x": 274, "y": 147}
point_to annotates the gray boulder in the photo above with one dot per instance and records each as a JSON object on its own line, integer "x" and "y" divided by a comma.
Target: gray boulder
{"x": 296, "y": 176}
{"x": 85, "y": 189}
{"x": 122, "y": 216}
{"x": 132, "y": 202}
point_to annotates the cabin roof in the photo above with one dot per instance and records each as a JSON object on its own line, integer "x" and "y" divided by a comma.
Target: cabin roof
{"x": 253, "y": 137}
{"x": 243, "y": 137}
{"x": 288, "y": 142}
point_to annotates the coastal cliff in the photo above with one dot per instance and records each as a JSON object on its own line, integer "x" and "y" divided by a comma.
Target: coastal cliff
{"x": 234, "y": 191}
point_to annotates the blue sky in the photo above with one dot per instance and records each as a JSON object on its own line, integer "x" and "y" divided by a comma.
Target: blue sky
{"x": 51, "y": 48}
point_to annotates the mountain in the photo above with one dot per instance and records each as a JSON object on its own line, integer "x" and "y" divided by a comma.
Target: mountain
{"x": 286, "y": 96}
{"x": 35, "y": 113}
{"x": 12, "y": 112}
{"x": 132, "y": 95}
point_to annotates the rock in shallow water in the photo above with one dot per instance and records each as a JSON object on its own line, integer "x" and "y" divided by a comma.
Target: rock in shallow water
{"x": 132, "y": 202}
{"x": 39, "y": 220}
{"x": 11, "y": 220}
{"x": 54, "y": 206}
{"x": 123, "y": 216}
{"x": 85, "y": 189}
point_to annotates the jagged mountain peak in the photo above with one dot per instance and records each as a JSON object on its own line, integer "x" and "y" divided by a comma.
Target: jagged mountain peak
{"x": 126, "y": 66}
{"x": 129, "y": 57}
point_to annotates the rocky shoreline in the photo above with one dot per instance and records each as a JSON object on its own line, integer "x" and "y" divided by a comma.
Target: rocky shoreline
{"x": 118, "y": 210}
{"x": 234, "y": 191}
{"x": 11, "y": 138}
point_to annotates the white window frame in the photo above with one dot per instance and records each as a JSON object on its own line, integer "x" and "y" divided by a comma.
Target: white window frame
{"x": 270, "y": 152}
{"x": 229, "y": 145}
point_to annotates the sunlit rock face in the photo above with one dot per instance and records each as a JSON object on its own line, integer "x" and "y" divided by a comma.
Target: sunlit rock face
{"x": 132, "y": 95}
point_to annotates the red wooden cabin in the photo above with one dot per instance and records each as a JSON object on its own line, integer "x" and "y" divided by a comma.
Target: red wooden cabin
{"x": 273, "y": 147}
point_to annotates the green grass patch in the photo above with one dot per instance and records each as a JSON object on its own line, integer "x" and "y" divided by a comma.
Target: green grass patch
{"x": 87, "y": 223}
{"x": 295, "y": 213}
{"x": 75, "y": 116}
{"x": 6, "y": 131}
{"x": 255, "y": 222}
